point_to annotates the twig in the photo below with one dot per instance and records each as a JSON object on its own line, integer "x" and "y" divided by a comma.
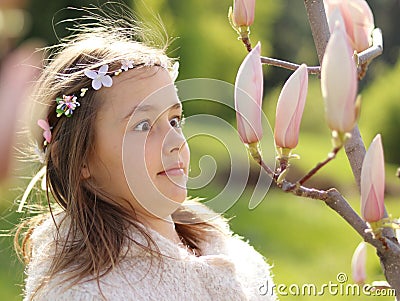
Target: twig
{"x": 374, "y": 51}
{"x": 363, "y": 58}
{"x": 313, "y": 171}
{"x": 288, "y": 65}
{"x": 267, "y": 169}
{"x": 246, "y": 42}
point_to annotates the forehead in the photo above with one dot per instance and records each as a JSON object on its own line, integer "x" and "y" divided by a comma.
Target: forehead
{"x": 143, "y": 87}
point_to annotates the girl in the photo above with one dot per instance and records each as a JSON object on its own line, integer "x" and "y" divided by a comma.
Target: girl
{"x": 116, "y": 165}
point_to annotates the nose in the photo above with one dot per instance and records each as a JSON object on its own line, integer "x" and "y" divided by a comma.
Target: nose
{"x": 174, "y": 141}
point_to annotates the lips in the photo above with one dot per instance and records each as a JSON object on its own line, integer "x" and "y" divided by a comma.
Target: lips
{"x": 174, "y": 170}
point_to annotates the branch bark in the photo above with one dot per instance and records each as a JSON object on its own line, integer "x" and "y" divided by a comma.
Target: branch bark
{"x": 288, "y": 65}
{"x": 374, "y": 51}
{"x": 319, "y": 25}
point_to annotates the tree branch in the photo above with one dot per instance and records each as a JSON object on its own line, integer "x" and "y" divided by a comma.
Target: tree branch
{"x": 313, "y": 171}
{"x": 288, "y": 65}
{"x": 319, "y": 25}
{"x": 363, "y": 58}
{"x": 388, "y": 248}
{"x": 355, "y": 149}
{"x": 374, "y": 51}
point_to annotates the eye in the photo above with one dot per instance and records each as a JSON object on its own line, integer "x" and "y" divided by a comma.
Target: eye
{"x": 143, "y": 126}
{"x": 177, "y": 121}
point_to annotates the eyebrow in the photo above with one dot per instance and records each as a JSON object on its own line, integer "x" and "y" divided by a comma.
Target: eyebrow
{"x": 146, "y": 108}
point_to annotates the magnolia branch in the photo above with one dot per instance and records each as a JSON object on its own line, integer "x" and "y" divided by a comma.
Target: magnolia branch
{"x": 331, "y": 156}
{"x": 288, "y": 65}
{"x": 374, "y": 51}
{"x": 363, "y": 58}
{"x": 387, "y": 246}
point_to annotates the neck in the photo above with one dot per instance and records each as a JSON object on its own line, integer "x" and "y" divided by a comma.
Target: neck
{"x": 164, "y": 226}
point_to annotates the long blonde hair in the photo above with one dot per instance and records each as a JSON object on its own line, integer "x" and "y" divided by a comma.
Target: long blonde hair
{"x": 96, "y": 226}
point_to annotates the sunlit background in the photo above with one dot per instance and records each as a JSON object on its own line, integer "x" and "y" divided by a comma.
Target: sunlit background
{"x": 304, "y": 240}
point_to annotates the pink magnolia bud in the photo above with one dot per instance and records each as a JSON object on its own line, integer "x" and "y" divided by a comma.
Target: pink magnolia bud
{"x": 339, "y": 82}
{"x": 248, "y": 97}
{"x": 373, "y": 182}
{"x": 243, "y": 12}
{"x": 290, "y": 107}
{"x": 358, "y": 263}
{"x": 358, "y": 20}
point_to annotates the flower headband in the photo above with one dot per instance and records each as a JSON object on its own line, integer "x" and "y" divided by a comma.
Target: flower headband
{"x": 67, "y": 104}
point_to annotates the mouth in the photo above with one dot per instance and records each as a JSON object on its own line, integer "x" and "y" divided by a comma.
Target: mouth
{"x": 172, "y": 172}
{"x": 175, "y": 170}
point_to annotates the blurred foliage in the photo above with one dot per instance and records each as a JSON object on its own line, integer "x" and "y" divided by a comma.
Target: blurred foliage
{"x": 306, "y": 242}
{"x": 47, "y": 15}
{"x": 381, "y": 113}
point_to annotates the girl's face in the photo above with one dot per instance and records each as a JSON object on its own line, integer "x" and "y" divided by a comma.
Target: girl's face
{"x": 141, "y": 155}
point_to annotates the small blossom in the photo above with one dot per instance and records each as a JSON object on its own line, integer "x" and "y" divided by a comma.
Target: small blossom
{"x": 373, "y": 182}
{"x": 126, "y": 65}
{"x": 83, "y": 91}
{"x": 243, "y": 12}
{"x": 44, "y": 124}
{"x": 248, "y": 97}
{"x": 290, "y": 107}
{"x": 358, "y": 264}
{"x": 339, "y": 83}
{"x": 66, "y": 105}
{"x": 99, "y": 78}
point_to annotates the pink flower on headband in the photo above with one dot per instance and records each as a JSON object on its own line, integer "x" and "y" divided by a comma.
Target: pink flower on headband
{"x": 44, "y": 124}
{"x": 66, "y": 105}
{"x": 100, "y": 78}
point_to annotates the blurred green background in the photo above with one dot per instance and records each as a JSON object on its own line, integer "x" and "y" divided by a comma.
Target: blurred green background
{"x": 304, "y": 240}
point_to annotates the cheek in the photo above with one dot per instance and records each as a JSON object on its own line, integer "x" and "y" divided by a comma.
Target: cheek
{"x": 106, "y": 164}
{"x": 151, "y": 155}
{"x": 137, "y": 166}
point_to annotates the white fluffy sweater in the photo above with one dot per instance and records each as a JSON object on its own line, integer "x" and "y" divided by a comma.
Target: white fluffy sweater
{"x": 229, "y": 269}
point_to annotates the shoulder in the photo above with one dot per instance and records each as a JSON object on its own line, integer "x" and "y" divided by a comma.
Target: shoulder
{"x": 250, "y": 267}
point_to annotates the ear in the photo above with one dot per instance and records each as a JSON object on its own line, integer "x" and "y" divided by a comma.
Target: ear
{"x": 85, "y": 172}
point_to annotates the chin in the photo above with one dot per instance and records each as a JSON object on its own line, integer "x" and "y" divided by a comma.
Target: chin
{"x": 177, "y": 195}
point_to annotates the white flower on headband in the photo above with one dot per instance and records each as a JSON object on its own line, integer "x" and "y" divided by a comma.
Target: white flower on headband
{"x": 174, "y": 71}
{"x": 100, "y": 78}
{"x": 126, "y": 65}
